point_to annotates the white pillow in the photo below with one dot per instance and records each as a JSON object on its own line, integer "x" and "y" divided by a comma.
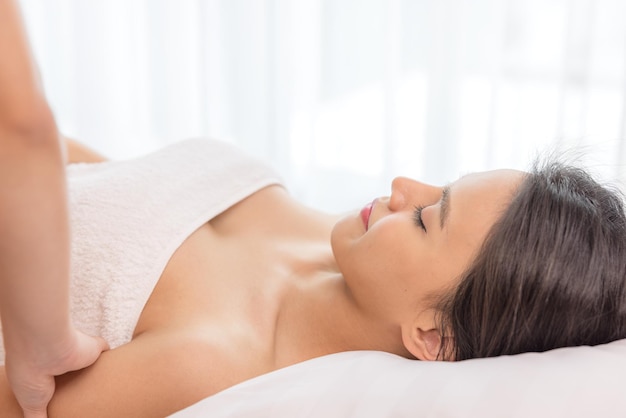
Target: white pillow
{"x": 567, "y": 382}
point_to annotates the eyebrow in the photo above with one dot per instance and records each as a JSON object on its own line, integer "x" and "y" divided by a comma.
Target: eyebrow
{"x": 445, "y": 206}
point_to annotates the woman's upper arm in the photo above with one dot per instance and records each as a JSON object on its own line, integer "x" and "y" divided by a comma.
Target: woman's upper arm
{"x": 153, "y": 375}
{"x": 8, "y": 404}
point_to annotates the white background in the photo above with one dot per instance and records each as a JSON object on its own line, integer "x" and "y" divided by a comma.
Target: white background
{"x": 342, "y": 95}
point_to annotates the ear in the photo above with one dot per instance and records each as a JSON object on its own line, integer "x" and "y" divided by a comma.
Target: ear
{"x": 424, "y": 344}
{"x": 421, "y": 336}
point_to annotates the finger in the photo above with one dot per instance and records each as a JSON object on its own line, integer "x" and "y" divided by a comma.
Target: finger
{"x": 33, "y": 394}
{"x": 36, "y": 413}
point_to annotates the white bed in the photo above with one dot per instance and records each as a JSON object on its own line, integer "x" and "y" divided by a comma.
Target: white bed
{"x": 568, "y": 382}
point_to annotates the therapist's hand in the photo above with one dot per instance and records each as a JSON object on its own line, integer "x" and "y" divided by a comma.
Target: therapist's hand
{"x": 32, "y": 379}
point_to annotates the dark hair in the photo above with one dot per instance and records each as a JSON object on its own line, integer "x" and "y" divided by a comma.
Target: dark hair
{"x": 551, "y": 273}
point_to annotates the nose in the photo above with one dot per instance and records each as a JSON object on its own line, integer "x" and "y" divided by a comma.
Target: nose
{"x": 406, "y": 191}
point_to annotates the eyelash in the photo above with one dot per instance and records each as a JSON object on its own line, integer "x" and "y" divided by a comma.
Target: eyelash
{"x": 417, "y": 217}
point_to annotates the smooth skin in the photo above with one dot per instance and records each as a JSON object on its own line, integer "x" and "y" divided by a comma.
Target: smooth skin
{"x": 40, "y": 341}
{"x": 262, "y": 286}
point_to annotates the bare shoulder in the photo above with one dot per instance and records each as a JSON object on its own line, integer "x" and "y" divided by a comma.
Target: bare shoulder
{"x": 274, "y": 210}
{"x": 80, "y": 153}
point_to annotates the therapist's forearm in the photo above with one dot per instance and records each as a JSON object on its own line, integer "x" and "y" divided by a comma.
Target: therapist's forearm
{"x": 34, "y": 242}
{"x": 34, "y": 236}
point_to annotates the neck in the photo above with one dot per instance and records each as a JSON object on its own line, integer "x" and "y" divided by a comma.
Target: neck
{"x": 318, "y": 316}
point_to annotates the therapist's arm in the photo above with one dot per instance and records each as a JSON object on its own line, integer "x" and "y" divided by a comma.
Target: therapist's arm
{"x": 39, "y": 339}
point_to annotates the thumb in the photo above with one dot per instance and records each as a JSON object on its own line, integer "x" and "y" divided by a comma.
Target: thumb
{"x": 85, "y": 352}
{"x": 89, "y": 349}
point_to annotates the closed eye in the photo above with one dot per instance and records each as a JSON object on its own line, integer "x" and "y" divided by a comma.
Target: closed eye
{"x": 417, "y": 217}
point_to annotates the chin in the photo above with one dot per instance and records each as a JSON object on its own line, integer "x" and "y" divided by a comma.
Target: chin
{"x": 349, "y": 227}
{"x": 335, "y": 235}
{"x": 343, "y": 236}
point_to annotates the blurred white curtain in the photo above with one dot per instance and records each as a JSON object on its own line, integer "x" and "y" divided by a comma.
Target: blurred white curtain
{"x": 342, "y": 95}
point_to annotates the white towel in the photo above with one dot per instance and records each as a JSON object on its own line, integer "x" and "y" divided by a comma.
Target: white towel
{"x": 128, "y": 217}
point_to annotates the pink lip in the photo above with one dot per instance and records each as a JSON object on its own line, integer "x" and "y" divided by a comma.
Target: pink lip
{"x": 366, "y": 212}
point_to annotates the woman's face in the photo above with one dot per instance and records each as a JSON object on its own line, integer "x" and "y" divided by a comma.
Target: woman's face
{"x": 415, "y": 244}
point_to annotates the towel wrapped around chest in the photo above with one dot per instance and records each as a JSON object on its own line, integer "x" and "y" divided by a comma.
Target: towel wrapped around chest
{"x": 128, "y": 217}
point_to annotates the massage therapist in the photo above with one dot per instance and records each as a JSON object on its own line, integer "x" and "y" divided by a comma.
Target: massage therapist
{"x": 39, "y": 339}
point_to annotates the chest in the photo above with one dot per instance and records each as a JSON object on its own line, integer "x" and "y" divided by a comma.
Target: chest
{"x": 218, "y": 286}
{"x": 226, "y": 282}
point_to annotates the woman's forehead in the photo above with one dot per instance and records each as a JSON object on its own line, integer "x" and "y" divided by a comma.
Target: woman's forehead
{"x": 484, "y": 189}
{"x": 500, "y": 173}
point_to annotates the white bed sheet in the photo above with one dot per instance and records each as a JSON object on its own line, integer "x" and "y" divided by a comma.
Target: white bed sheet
{"x": 568, "y": 382}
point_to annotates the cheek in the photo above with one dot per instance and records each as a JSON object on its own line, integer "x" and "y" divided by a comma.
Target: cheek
{"x": 390, "y": 253}
{"x": 381, "y": 270}
{"x": 465, "y": 246}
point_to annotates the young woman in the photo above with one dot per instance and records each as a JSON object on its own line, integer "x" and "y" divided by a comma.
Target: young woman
{"x": 201, "y": 271}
